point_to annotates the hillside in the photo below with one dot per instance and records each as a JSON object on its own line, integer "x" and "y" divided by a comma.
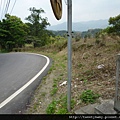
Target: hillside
{"x": 81, "y": 26}
{"x": 87, "y": 75}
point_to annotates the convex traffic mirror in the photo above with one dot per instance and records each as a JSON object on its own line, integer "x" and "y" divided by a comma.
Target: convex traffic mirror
{"x": 57, "y": 8}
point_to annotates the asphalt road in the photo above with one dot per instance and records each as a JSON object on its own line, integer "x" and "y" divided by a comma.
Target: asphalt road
{"x": 20, "y": 74}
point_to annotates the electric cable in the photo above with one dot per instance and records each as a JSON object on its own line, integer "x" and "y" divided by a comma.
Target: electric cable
{"x": 8, "y": 3}
{"x": 1, "y": 7}
{"x": 7, "y": 6}
{"x": 13, "y": 6}
{"x": 2, "y": 14}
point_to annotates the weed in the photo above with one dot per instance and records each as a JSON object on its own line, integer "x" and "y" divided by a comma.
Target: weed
{"x": 51, "y": 107}
{"x": 63, "y": 66}
{"x": 61, "y": 74}
{"x": 43, "y": 94}
{"x": 85, "y": 81}
{"x": 62, "y": 111}
{"x": 63, "y": 103}
{"x": 97, "y": 41}
{"x": 89, "y": 45}
{"x": 60, "y": 106}
{"x": 54, "y": 52}
{"x": 100, "y": 42}
{"x": 54, "y": 91}
{"x": 51, "y": 69}
{"x": 55, "y": 84}
{"x": 65, "y": 58}
{"x": 89, "y": 73}
{"x": 89, "y": 96}
{"x": 80, "y": 65}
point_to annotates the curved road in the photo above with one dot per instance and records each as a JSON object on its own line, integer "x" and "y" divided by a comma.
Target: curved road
{"x": 20, "y": 74}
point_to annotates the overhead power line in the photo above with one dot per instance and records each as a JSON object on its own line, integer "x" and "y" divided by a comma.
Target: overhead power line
{"x": 0, "y": 6}
{"x": 2, "y": 13}
{"x": 13, "y": 6}
{"x": 7, "y": 6}
{"x": 4, "y": 7}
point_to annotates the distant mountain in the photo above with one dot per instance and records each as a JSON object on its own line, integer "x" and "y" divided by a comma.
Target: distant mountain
{"x": 81, "y": 26}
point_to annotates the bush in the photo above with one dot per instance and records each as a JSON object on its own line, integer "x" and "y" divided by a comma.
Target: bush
{"x": 89, "y": 96}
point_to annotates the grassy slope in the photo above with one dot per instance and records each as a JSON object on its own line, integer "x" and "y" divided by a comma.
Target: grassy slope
{"x": 86, "y": 57}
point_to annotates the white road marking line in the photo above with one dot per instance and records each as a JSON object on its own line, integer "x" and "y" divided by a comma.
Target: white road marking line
{"x": 27, "y": 84}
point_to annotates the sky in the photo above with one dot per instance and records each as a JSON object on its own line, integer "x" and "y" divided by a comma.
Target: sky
{"x": 83, "y": 10}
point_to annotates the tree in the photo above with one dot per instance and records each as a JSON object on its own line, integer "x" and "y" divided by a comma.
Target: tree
{"x": 114, "y": 27}
{"x": 38, "y": 26}
{"x": 12, "y": 32}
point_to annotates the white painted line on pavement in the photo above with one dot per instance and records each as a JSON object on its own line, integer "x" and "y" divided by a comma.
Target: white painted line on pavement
{"x": 27, "y": 84}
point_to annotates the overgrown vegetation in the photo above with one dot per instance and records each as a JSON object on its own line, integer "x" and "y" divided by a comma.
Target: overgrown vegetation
{"x": 93, "y": 72}
{"x": 59, "y": 106}
{"x": 88, "y": 96}
{"x": 87, "y": 79}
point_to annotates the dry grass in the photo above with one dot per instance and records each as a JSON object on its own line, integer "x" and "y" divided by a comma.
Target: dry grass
{"x": 85, "y": 73}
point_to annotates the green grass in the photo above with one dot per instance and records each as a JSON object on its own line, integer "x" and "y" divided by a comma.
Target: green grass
{"x": 54, "y": 91}
{"x": 59, "y": 106}
{"x": 55, "y": 85}
{"x": 88, "y": 96}
{"x": 51, "y": 107}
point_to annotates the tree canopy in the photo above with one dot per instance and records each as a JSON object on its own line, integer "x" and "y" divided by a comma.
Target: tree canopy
{"x": 37, "y": 26}
{"x": 114, "y": 27}
{"x": 12, "y": 32}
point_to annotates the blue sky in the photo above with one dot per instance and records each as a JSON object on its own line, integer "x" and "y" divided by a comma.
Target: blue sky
{"x": 83, "y": 10}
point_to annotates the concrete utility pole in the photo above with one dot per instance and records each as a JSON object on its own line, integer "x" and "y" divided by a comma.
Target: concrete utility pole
{"x": 69, "y": 22}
